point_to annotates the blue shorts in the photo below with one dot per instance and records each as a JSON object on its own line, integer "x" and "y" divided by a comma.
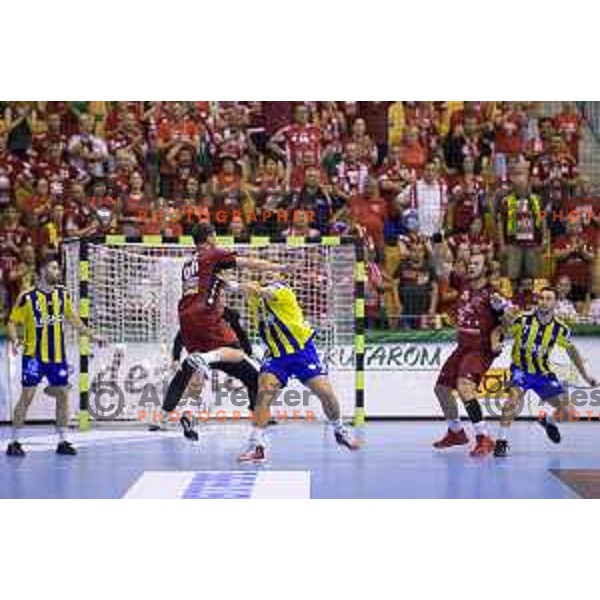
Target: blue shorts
{"x": 303, "y": 365}
{"x": 33, "y": 371}
{"x": 544, "y": 385}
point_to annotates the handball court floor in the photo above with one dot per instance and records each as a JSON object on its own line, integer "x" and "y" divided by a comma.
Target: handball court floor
{"x": 397, "y": 461}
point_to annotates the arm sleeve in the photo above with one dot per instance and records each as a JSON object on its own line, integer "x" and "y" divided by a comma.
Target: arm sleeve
{"x": 177, "y": 346}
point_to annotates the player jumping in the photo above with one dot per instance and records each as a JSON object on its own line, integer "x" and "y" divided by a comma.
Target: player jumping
{"x": 536, "y": 335}
{"x": 290, "y": 352}
{"x": 42, "y": 312}
{"x": 477, "y": 320}
{"x": 208, "y": 338}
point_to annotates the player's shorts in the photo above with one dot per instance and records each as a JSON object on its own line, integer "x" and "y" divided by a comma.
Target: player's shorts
{"x": 470, "y": 363}
{"x": 303, "y": 365}
{"x": 545, "y": 385}
{"x": 203, "y": 330}
{"x": 33, "y": 371}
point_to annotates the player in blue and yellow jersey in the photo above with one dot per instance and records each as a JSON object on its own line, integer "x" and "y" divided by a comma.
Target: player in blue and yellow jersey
{"x": 290, "y": 352}
{"x": 41, "y": 313}
{"x": 536, "y": 335}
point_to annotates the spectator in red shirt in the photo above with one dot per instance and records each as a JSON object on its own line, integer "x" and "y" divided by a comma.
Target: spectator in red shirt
{"x": 350, "y": 175}
{"x": 176, "y": 126}
{"x": 52, "y": 136}
{"x": 369, "y": 210}
{"x": 299, "y": 144}
{"x": 226, "y": 185}
{"x": 574, "y": 256}
{"x": 393, "y": 175}
{"x": 365, "y": 147}
{"x": 181, "y": 165}
{"x": 556, "y": 165}
{"x": 412, "y": 154}
{"x": 133, "y": 203}
{"x": 568, "y": 124}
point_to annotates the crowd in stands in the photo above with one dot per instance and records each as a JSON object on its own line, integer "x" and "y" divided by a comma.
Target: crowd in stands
{"x": 494, "y": 177}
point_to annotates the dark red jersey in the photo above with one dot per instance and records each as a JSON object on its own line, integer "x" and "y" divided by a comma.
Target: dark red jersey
{"x": 199, "y": 277}
{"x": 201, "y": 321}
{"x": 474, "y": 314}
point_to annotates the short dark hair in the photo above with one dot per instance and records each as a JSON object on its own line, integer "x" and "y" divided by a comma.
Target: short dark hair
{"x": 550, "y": 288}
{"x": 201, "y": 233}
{"x": 45, "y": 260}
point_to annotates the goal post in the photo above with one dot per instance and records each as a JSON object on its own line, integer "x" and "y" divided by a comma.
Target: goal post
{"x": 127, "y": 288}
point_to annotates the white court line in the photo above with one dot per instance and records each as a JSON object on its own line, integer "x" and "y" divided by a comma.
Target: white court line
{"x": 171, "y": 485}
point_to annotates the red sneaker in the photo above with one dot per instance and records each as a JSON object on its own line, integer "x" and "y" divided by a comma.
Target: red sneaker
{"x": 254, "y": 453}
{"x": 483, "y": 445}
{"x": 452, "y": 438}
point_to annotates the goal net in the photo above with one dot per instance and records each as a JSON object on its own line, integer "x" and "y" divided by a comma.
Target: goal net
{"x": 128, "y": 291}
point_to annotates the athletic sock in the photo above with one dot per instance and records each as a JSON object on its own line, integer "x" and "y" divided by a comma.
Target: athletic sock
{"x": 480, "y": 428}
{"x": 257, "y": 436}
{"x": 62, "y": 434}
{"x": 503, "y": 433}
{"x": 337, "y": 424}
{"x": 455, "y": 425}
{"x": 16, "y": 434}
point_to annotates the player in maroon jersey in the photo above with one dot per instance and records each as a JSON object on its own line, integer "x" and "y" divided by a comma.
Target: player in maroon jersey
{"x": 208, "y": 338}
{"x": 477, "y": 314}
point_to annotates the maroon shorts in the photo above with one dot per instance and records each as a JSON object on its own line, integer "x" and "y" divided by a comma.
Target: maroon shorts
{"x": 204, "y": 330}
{"x": 470, "y": 363}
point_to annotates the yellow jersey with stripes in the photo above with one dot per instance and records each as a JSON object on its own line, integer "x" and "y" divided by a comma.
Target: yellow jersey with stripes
{"x": 534, "y": 342}
{"x": 280, "y": 320}
{"x": 42, "y": 315}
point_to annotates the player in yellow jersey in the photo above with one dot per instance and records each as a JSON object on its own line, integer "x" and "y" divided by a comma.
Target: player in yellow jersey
{"x": 42, "y": 312}
{"x": 536, "y": 334}
{"x": 291, "y": 352}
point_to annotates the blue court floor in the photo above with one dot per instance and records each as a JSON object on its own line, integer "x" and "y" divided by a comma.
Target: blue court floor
{"x": 397, "y": 461}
